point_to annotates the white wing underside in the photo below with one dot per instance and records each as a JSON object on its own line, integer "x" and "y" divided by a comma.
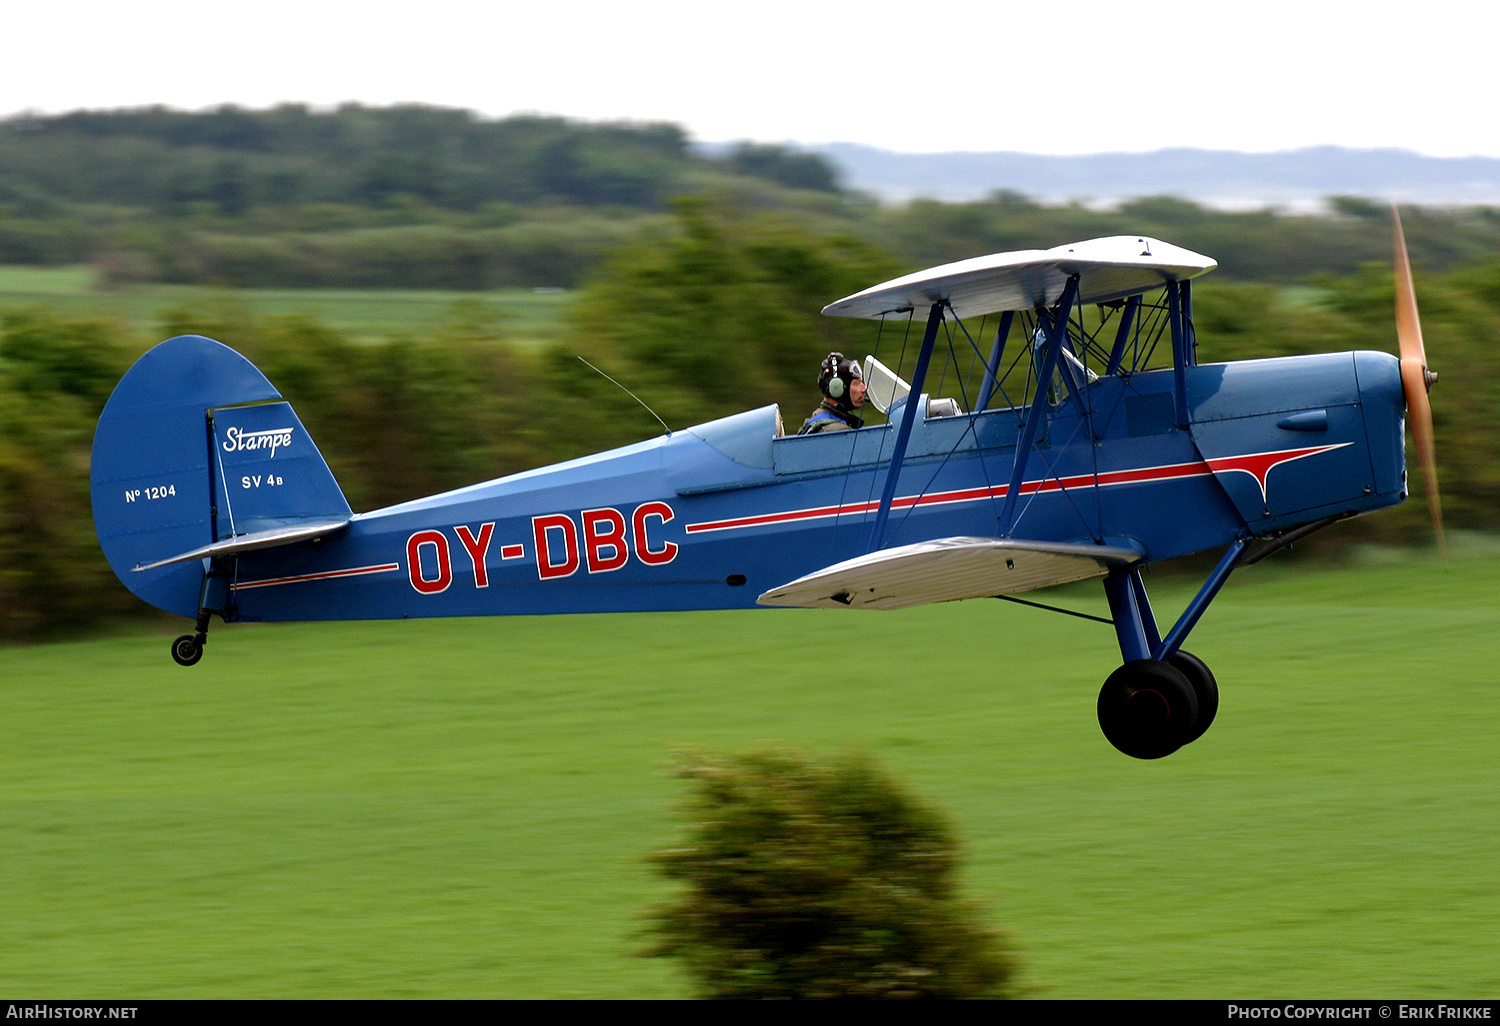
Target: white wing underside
{"x": 944, "y": 570}
{"x": 1107, "y": 269}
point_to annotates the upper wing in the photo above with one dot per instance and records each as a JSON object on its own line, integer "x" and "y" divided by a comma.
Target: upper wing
{"x": 1108, "y": 269}
{"x": 946, "y": 569}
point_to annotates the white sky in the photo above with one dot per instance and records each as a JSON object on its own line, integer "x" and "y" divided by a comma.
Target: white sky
{"x": 1065, "y": 76}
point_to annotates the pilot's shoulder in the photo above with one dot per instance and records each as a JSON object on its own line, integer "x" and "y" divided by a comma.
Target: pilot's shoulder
{"x": 821, "y": 421}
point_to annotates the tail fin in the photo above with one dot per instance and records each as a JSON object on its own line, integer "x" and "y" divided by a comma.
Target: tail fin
{"x": 194, "y": 448}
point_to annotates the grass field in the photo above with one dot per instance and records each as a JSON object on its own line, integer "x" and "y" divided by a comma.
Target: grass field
{"x": 464, "y": 808}
{"x": 527, "y": 318}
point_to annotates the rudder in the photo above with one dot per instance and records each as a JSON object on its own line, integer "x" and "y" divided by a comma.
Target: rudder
{"x": 195, "y": 446}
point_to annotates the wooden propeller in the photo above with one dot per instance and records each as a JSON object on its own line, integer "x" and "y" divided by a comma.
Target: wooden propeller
{"x": 1416, "y": 380}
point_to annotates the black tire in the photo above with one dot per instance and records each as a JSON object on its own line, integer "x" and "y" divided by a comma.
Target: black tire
{"x": 186, "y": 650}
{"x": 1147, "y": 709}
{"x": 1205, "y": 689}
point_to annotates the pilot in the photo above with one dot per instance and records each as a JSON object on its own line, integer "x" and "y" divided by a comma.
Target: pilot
{"x": 843, "y": 388}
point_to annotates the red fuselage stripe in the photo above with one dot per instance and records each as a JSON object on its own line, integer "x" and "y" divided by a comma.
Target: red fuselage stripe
{"x": 327, "y": 574}
{"x": 1259, "y": 465}
{"x": 1256, "y": 464}
{"x": 1116, "y": 477}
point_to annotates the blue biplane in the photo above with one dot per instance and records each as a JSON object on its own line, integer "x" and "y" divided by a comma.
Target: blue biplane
{"x": 210, "y": 498}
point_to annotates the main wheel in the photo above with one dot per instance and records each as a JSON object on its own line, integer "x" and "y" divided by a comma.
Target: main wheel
{"x": 1147, "y": 709}
{"x": 1205, "y": 688}
{"x": 187, "y": 650}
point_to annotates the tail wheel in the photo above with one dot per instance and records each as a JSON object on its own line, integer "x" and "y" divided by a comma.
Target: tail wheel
{"x": 187, "y": 650}
{"x": 1147, "y": 709}
{"x": 1205, "y": 688}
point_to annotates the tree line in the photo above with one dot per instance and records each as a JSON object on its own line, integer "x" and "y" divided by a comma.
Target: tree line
{"x": 232, "y": 160}
{"x": 438, "y": 197}
{"x": 357, "y": 196}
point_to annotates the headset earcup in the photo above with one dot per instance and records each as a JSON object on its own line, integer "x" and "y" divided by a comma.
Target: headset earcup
{"x": 835, "y": 387}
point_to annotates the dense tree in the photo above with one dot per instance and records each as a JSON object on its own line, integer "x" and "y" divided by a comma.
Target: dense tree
{"x": 285, "y": 196}
{"x": 55, "y": 374}
{"x": 231, "y": 159}
{"x": 722, "y": 312}
{"x": 783, "y": 164}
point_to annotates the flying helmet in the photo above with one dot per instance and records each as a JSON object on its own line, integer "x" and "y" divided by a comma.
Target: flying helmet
{"x": 836, "y": 375}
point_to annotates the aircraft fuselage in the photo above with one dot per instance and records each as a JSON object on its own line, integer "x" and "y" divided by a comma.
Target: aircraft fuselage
{"x": 712, "y": 516}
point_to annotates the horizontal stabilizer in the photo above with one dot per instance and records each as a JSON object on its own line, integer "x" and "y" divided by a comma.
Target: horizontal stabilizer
{"x": 946, "y": 569}
{"x": 254, "y": 540}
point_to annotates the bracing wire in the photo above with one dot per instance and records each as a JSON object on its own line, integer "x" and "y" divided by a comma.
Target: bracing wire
{"x": 975, "y": 358}
{"x": 854, "y": 443}
{"x": 900, "y": 362}
{"x": 943, "y": 373}
{"x": 968, "y": 430}
{"x": 1054, "y": 609}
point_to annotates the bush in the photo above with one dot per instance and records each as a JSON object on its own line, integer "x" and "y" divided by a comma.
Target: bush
{"x": 806, "y": 881}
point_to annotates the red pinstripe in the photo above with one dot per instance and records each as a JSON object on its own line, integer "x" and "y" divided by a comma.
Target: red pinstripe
{"x": 325, "y": 575}
{"x": 1257, "y": 465}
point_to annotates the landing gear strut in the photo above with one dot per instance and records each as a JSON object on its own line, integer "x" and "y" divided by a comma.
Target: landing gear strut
{"x": 213, "y": 598}
{"x": 1163, "y": 697}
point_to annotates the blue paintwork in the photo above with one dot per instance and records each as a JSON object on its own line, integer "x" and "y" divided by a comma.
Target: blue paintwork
{"x": 152, "y": 435}
{"x": 267, "y": 472}
{"x": 672, "y": 519}
{"x": 1132, "y": 626}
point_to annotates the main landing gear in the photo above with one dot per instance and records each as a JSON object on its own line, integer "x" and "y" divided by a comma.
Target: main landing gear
{"x": 1149, "y": 708}
{"x": 1162, "y": 698}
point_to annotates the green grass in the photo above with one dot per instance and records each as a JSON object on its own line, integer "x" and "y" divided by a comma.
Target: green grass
{"x": 464, "y": 808}
{"x": 1302, "y": 297}
{"x": 29, "y": 280}
{"x": 527, "y": 318}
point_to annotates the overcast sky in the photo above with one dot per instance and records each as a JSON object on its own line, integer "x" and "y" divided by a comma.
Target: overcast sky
{"x": 917, "y": 76}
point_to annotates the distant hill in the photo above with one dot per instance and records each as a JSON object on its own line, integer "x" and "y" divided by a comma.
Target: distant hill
{"x": 1296, "y": 179}
{"x": 415, "y": 196}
